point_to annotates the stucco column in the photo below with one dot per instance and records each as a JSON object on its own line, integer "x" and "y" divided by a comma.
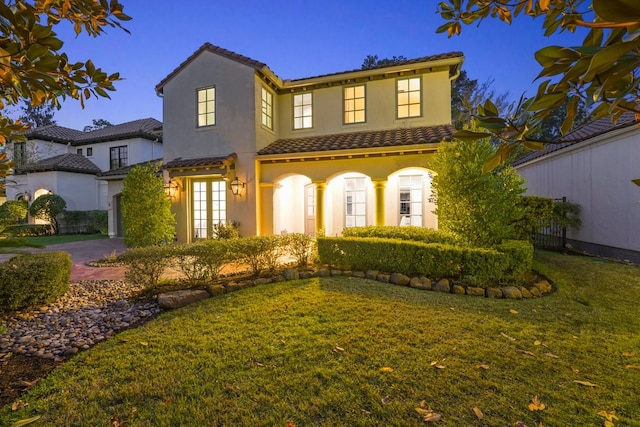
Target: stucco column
{"x": 321, "y": 187}
{"x": 379, "y": 186}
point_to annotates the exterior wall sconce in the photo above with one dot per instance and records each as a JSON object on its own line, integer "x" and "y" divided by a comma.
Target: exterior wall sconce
{"x": 171, "y": 188}
{"x": 236, "y": 187}
{"x": 636, "y": 181}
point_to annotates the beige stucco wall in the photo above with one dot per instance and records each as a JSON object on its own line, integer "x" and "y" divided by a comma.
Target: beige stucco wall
{"x": 597, "y": 175}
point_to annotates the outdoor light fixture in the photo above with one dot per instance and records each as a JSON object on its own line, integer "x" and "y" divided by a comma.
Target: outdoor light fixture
{"x": 236, "y": 187}
{"x": 171, "y": 188}
{"x": 636, "y": 181}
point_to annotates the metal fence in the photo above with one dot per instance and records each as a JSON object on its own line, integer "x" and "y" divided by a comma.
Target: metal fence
{"x": 553, "y": 236}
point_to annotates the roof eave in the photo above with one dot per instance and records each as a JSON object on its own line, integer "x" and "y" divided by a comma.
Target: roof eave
{"x": 398, "y": 149}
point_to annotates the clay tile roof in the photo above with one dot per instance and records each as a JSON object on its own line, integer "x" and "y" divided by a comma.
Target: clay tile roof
{"x": 214, "y": 49}
{"x": 201, "y": 162}
{"x": 585, "y": 132}
{"x": 53, "y": 133}
{"x": 360, "y": 140}
{"x": 123, "y": 171}
{"x": 149, "y": 128}
{"x": 64, "y": 162}
{"x": 429, "y": 58}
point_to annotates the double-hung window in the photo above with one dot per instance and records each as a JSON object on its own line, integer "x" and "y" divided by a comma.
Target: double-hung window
{"x": 409, "y": 95}
{"x": 207, "y": 106}
{"x": 303, "y": 111}
{"x": 355, "y": 192}
{"x": 354, "y": 104}
{"x": 410, "y": 191}
{"x": 118, "y": 157}
{"x": 267, "y": 108}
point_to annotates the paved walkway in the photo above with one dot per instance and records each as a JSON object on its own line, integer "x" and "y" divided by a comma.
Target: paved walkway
{"x": 90, "y": 250}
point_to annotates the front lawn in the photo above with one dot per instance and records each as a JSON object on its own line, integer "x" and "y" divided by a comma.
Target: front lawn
{"x": 351, "y": 352}
{"x": 63, "y": 238}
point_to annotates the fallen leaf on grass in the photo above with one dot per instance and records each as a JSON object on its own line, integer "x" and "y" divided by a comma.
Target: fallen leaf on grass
{"x": 512, "y": 311}
{"x": 575, "y": 370}
{"x": 437, "y": 365}
{"x": 386, "y": 369}
{"x": 290, "y": 424}
{"x": 507, "y": 336}
{"x": 609, "y": 417}
{"x": 338, "y": 349}
{"x": 482, "y": 366}
{"x": 116, "y": 422}
{"x": 18, "y": 404}
{"x": 551, "y": 355}
{"x": 385, "y": 400}
{"x": 478, "y": 412}
{"x": 167, "y": 401}
{"x": 365, "y": 412}
{"x": 585, "y": 383}
{"x": 144, "y": 343}
{"x": 536, "y": 404}
{"x": 26, "y": 421}
{"x": 527, "y": 352}
{"x": 537, "y": 343}
{"x": 633, "y": 366}
{"x": 628, "y": 353}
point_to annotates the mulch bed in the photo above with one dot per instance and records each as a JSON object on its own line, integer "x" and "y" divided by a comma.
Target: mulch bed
{"x": 20, "y": 373}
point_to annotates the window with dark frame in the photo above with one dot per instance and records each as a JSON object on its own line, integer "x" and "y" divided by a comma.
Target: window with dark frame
{"x": 89, "y": 151}
{"x": 118, "y": 157}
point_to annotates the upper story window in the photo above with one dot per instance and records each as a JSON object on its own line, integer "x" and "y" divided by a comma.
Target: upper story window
{"x": 267, "y": 108}
{"x": 354, "y": 104}
{"x": 118, "y": 157}
{"x": 79, "y": 151}
{"x": 206, "y": 106}
{"x": 303, "y": 111}
{"x": 408, "y": 98}
{"x": 89, "y": 151}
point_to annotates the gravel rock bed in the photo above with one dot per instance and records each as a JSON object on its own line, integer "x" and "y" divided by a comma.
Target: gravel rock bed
{"x": 90, "y": 312}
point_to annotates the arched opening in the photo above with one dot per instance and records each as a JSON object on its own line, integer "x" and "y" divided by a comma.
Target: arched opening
{"x": 408, "y": 198}
{"x": 350, "y": 202}
{"x": 294, "y": 205}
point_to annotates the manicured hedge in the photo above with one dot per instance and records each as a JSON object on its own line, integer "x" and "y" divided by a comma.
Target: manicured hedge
{"x": 202, "y": 261}
{"x": 478, "y": 266}
{"x": 146, "y": 265}
{"x": 418, "y": 234}
{"x": 28, "y": 230}
{"x": 31, "y": 279}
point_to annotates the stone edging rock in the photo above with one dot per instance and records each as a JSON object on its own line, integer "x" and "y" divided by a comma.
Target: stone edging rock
{"x": 535, "y": 289}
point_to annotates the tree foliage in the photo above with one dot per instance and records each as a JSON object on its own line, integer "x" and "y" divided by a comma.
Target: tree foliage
{"x": 467, "y": 94}
{"x": 372, "y": 61}
{"x": 13, "y": 211}
{"x": 146, "y": 211}
{"x": 33, "y": 66}
{"x": 602, "y": 72}
{"x": 48, "y": 207}
{"x": 37, "y": 116}
{"x": 97, "y": 124}
{"x": 480, "y": 208}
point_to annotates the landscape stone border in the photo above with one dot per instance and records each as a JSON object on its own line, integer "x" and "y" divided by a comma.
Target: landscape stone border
{"x": 534, "y": 289}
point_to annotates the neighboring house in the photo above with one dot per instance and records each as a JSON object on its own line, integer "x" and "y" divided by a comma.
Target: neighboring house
{"x": 67, "y": 162}
{"x": 310, "y": 155}
{"x": 594, "y": 166}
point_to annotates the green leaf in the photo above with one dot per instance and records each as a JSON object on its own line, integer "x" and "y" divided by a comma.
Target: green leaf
{"x": 467, "y": 135}
{"x": 608, "y": 56}
{"x": 617, "y": 10}
{"x": 26, "y": 421}
{"x": 548, "y": 100}
{"x": 534, "y": 145}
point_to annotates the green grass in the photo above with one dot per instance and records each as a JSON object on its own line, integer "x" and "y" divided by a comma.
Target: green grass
{"x": 64, "y": 238}
{"x": 269, "y": 355}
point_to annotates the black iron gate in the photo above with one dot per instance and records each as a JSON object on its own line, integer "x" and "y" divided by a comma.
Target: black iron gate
{"x": 553, "y": 236}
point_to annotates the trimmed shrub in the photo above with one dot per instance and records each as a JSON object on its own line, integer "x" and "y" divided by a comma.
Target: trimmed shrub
{"x": 478, "y": 266}
{"x": 146, "y": 265}
{"x": 412, "y": 232}
{"x": 300, "y": 246}
{"x": 90, "y": 222}
{"x": 260, "y": 253}
{"x": 536, "y": 213}
{"x": 47, "y": 207}
{"x": 202, "y": 261}
{"x": 230, "y": 230}
{"x": 30, "y": 279}
{"x": 28, "y": 230}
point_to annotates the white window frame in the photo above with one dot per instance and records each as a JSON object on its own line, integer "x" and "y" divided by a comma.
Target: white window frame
{"x": 354, "y": 104}
{"x": 408, "y": 96}
{"x": 302, "y": 110}
{"x": 266, "y": 102}
{"x": 411, "y": 210}
{"x": 206, "y": 106}
{"x": 209, "y": 206}
{"x": 355, "y": 202}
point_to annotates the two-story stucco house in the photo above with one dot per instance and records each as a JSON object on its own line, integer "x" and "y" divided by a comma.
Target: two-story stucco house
{"x": 306, "y": 155}
{"x": 68, "y": 162}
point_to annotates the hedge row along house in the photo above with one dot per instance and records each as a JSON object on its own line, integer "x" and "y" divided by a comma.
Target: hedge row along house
{"x": 84, "y": 168}
{"x": 308, "y": 155}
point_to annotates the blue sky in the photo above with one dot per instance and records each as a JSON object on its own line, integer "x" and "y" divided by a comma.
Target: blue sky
{"x": 295, "y": 39}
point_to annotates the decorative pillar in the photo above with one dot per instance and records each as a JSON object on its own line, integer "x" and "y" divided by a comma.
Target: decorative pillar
{"x": 379, "y": 186}
{"x": 321, "y": 186}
